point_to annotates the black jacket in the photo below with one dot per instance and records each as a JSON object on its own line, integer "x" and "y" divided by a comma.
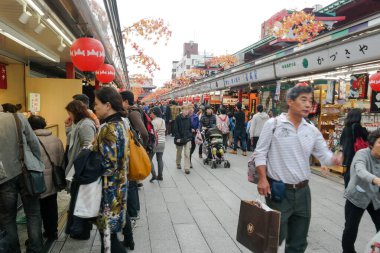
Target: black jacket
{"x": 347, "y": 141}
{"x": 208, "y": 121}
{"x": 168, "y": 113}
{"x": 182, "y": 129}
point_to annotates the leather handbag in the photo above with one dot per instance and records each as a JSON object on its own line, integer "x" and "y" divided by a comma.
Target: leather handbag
{"x": 258, "y": 227}
{"x": 34, "y": 181}
{"x": 58, "y": 172}
{"x": 139, "y": 162}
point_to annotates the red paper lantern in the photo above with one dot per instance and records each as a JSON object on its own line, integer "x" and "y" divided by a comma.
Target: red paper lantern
{"x": 374, "y": 82}
{"x": 191, "y": 99}
{"x": 87, "y": 54}
{"x": 197, "y": 99}
{"x": 105, "y": 73}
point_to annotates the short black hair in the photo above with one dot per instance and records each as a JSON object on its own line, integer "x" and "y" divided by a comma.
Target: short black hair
{"x": 83, "y": 98}
{"x": 37, "y": 122}
{"x": 260, "y": 108}
{"x": 11, "y": 108}
{"x": 296, "y": 91}
{"x": 372, "y": 137}
{"x": 128, "y": 96}
{"x": 239, "y": 105}
{"x": 223, "y": 111}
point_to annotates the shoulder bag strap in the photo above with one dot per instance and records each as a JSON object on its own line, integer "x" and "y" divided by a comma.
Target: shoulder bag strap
{"x": 47, "y": 153}
{"x": 20, "y": 141}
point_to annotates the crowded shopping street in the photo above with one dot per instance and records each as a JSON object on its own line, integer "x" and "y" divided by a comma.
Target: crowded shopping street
{"x": 199, "y": 212}
{"x": 199, "y": 126}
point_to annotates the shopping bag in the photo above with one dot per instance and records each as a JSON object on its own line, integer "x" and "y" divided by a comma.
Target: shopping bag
{"x": 253, "y": 177}
{"x": 198, "y": 138}
{"x": 89, "y": 199}
{"x": 258, "y": 227}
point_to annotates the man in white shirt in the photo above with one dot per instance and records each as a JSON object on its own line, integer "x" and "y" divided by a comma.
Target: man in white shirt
{"x": 282, "y": 162}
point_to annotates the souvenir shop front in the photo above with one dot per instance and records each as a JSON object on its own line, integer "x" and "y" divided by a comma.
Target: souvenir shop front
{"x": 344, "y": 85}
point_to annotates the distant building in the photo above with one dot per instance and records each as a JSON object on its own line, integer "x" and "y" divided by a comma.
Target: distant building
{"x": 147, "y": 86}
{"x": 190, "y": 59}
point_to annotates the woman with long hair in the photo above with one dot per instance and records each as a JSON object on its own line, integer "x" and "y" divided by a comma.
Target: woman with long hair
{"x": 81, "y": 131}
{"x": 160, "y": 128}
{"x": 112, "y": 142}
{"x": 351, "y": 132}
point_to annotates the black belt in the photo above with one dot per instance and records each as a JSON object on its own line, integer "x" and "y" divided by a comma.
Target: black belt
{"x": 300, "y": 185}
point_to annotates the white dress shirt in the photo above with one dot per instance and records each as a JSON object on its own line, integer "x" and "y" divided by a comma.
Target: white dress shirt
{"x": 286, "y": 153}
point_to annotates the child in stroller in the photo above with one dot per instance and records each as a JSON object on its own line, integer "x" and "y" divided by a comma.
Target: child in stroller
{"x": 213, "y": 148}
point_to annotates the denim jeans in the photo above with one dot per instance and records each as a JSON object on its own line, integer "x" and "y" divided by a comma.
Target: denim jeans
{"x": 240, "y": 134}
{"x": 8, "y": 198}
{"x": 133, "y": 201}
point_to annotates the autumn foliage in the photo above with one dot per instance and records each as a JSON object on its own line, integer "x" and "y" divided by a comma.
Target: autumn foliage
{"x": 303, "y": 26}
{"x": 155, "y": 94}
{"x": 148, "y": 29}
{"x": 224, "y": 61}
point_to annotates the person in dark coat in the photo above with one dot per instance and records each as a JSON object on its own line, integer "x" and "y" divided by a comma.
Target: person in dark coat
{"x": 182, "y": 137}
{"x": 350, "y": 133}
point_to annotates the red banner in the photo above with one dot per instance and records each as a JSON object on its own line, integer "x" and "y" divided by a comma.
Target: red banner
{"x": 3, "y": 76}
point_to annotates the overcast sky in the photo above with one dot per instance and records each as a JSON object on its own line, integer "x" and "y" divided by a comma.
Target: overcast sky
{"x": 217, "y": 26}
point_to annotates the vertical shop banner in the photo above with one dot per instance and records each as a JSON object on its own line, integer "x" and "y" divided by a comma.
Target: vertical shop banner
{"x": 3, "y": 76}
{"x": 359, "y": 86}
{"x": 330, "y": 92}
{"x": 375, "y": 102}
{"x": 342, "y": 90}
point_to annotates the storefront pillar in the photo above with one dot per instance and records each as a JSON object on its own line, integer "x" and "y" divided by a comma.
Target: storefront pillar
{"x": 240, "y": 95}
{"x": 70, "y": 70}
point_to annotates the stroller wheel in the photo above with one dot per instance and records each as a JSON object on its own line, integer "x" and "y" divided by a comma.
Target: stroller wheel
{"x": 227, "y": 164}
{"x": 213, "y": 165}
{"x": 205, "y": 161}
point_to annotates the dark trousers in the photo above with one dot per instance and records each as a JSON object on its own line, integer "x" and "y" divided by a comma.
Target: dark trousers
{"x": 240, "y": 134}
{"x": 200, "y": 149}
{"x": 295, "y": 211}
{"x": 8, "y": 211}
{"x": 128, "y": 230}
{"x": 225, "y": 140}
{"x": 49, "y": 214}
{"x": 192, "y": 149}
{"x": 353, "y": 215}
{"x": 133, "y": 200}
{"x": 167, "y": 128}
{"x": 160, "y": 164}
{"x": 254, "y": 144}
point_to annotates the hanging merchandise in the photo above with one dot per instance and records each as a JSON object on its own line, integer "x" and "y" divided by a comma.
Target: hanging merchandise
{"x": 330, "y": 94}
{"x": 87, "y": 54}
{"x": 105, "y": 73}
{"x": 359, "y": 86}
{"x": 374, "y": 82}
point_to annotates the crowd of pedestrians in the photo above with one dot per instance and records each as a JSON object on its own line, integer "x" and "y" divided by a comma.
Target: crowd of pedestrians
{"x": 97, "y": 151}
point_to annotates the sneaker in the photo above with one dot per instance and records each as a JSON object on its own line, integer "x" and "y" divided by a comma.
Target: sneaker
{"x": 187, "y": 171}
{"x": 191, "y": 166}
{"x": 152, "y": 179}
{"x": 179, "y": 167}
{"x": 133, "y": 224}
{"x": 159, "y": 178}
{"x": 135, "y": 218}
{"x": 244, "y": 153}
{"x": 234, "y": 152}
{"x": 139, "y": 185}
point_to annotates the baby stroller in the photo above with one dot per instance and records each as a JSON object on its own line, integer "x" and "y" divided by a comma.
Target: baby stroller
{"x": 213, "y": 148}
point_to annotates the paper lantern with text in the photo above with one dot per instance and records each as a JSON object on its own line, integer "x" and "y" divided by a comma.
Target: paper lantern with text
{"x": 87, "y": 54}
{"x": 105, "y": 73}
{"x": 304, "y": 84}
{"x": 374, "y": 82}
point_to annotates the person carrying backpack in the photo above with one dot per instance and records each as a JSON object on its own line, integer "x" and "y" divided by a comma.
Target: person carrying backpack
{"x": 256, "y": 126}
{"x": 223, "y": 124}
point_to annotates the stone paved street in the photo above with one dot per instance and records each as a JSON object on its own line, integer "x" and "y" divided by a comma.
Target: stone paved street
{"x": 199, "y": 212}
